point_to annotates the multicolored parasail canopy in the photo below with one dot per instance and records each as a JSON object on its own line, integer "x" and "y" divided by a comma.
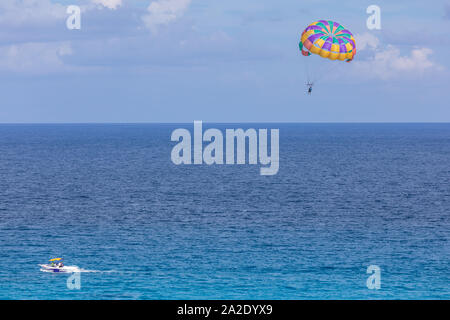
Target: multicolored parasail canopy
{"x": 328, "y": 39}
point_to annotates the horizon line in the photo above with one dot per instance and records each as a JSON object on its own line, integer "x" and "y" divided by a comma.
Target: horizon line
{"x": 229, "y": 122}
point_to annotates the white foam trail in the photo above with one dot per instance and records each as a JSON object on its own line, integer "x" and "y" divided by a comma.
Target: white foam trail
{"x": 72, "y": 269}
{"x": 97, "y": 271}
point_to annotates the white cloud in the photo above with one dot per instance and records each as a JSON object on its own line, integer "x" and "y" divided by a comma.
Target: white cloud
{"x": 387, "y": 61}
{"x": 390, "y": 63}
{"x": 416, "y": 61}
{"x": 15, "y": 12}
{"x": 365, "y": 41}
{"x": 162, "y": 12}
{"x": 111, "y": 4}
{"x": 34, "y": 58}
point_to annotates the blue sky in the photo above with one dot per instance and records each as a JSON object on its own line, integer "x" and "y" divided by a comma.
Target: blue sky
{"x": 219, "y": 61}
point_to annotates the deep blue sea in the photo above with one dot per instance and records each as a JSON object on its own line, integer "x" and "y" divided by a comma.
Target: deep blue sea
{"x": 108, "y": 199}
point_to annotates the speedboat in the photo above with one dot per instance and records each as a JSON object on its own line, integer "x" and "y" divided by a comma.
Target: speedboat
{"x": 58, "y": 267}
{"x": 50, "y": 268}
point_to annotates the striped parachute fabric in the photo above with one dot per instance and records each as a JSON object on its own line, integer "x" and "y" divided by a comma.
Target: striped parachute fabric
{"x": 328, "y": 39}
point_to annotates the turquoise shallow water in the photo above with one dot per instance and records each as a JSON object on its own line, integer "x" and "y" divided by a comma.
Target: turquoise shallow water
{"x": 108, "y": 199}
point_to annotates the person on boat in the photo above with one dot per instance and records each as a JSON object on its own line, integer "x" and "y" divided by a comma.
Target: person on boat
{"x": 53, "y": 264}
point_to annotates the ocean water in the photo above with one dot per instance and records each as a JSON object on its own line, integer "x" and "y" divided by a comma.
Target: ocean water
{"x": 109, "y": 200}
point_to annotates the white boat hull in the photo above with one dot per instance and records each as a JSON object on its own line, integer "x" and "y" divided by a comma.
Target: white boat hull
{"x": 65, "y": 269}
